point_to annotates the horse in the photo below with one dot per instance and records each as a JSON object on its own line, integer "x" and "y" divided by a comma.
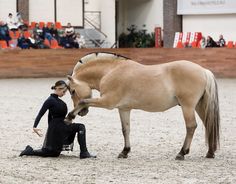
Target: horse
{"x": 125, "y": 84}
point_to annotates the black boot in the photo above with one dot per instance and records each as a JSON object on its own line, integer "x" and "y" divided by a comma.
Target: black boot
{"x": 86, "y": 154}
{"x": 28, "y": 151}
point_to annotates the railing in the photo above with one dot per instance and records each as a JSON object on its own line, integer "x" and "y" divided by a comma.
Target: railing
{"x": 92, "y": 20}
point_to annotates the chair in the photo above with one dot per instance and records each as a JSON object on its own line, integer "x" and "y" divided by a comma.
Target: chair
{"x": 179, "y": 45}
{"x": 14, "y": 35}
{"x": 49, "y": 24}
{"x": 32, "y": 25}
{"x": 3, "y": 44}
{"x": 27, "y": 34}
{"x": 58, "y": 25}
{"x": 194, "y": 44}
{"x": 230, "y": 44}
{"x": 54, "y": 44}
{"x": 41, "y": 25}
{"x": 46, "y": 42}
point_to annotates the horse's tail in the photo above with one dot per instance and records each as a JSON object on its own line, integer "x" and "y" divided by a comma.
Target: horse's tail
{"x": 209, "y": 108}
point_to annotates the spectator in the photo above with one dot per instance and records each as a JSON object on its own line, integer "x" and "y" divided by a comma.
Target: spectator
{"x": 38, "y": 31}
{"x": 11, "y": 23}
{"x": 4, "y": 32}
{"x": 67, "y": 42}
{"x": 211, "y": 42}
{"x": 23, "y": 43}
{"x": 221, "y": 41}
{"x": 39, "y": 42}
{"x": 79, "y": 41}
{"x": 19, "y": 21}
{"x": 54, "y": 32}
{"x": 203, "y": 42}
{"x": 69, "y": 31}
{"x": 47, "y": 34}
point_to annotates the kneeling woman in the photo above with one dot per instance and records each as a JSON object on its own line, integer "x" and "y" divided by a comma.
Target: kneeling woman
{"x": 58, "y": 133}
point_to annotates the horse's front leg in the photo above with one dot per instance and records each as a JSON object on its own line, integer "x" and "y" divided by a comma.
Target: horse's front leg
{"x": 102, "y": 102}
{"x": 125, "y": 122}
{"x": 71, "y": 115}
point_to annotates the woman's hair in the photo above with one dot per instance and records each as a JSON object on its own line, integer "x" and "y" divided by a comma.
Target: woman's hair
{"x": 59, "y": 83}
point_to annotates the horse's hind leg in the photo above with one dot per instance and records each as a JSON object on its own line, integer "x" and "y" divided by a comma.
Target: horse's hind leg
{"x": 191, "y": 125}
{"x": 125, "y": 122}
{"x": 201, "y": 112}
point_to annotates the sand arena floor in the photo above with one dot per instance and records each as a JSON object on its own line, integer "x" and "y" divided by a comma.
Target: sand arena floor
{"x": 156, "y": 138}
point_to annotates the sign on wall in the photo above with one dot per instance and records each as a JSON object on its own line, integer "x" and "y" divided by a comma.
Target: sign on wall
{"x": 186, "y": 7}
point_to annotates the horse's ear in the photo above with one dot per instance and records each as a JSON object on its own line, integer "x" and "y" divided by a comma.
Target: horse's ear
{"x": 70, "y": 78}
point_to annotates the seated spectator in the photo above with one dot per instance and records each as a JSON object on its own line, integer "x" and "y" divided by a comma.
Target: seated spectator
{"x": 66, "y": 42}
{"x": 39, "y": 42}
{"x": 54, "y": 32}
{"x": 79, "y": 41}
{"x": 11, "y": 23}
{"x": 4, "y": 32}
{"x": 69, "y": 31}
{"x": 23, "y": 42}
{"x": 211, "y": 42}
{"x": 47, "y": 34}
{"x": 221, "y": 41}
{"x": 38, "y": 31}
{"x": 203, "y": 42}
{"x": 20, "y": 23}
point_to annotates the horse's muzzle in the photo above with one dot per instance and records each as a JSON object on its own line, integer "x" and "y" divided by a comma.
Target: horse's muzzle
{"x": 83, "y": 112}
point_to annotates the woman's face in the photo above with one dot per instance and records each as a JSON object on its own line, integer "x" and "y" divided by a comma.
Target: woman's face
{"x": 61, "y": 90}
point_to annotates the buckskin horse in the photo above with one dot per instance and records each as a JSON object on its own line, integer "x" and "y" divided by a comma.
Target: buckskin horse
{"x": 127, "y": 85}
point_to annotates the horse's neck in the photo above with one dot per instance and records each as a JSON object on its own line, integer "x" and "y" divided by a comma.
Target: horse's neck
{"x": 92, "y": 73}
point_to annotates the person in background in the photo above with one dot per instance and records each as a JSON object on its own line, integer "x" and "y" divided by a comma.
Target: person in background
{"x": 23, "y": 42}
{"x": 221, "y": 41}
{"x": 38, "y": 31}
{"x": 211, "y": 42}
{"x": 69, "y": 31}
{"x": 79, "y": 41}
{"x": 203, "y": 42}
{"x": 4, "y": 32}
{"x": 58, "y": 133}
{"x": 54, "y": 32}
{"x": 11, "y": 23}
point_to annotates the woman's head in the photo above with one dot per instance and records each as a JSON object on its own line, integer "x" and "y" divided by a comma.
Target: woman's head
{"x": 60, "y": 88}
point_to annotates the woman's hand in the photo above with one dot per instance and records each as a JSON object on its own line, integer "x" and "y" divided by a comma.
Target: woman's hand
{"x": 38, "y": 131}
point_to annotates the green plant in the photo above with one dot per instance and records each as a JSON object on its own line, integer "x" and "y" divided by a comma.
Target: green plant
{"x": 136, "y": 38}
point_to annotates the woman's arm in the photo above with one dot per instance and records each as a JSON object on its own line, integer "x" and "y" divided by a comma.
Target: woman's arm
{"x": 42, "y": 111}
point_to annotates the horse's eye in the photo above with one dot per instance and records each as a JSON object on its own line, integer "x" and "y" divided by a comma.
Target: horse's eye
{"x": 73, "y": 92}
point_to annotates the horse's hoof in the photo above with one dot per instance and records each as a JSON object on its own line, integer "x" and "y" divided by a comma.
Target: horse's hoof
{"x": 122, "y": 155}
{"x": 210, "y": 155}
{"x": 179, "y": 157}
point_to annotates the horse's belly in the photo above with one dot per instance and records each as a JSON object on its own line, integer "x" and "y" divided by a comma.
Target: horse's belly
{"x": 149, "y": 104}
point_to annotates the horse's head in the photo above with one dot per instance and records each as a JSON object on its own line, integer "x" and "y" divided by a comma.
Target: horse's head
{"x": 79, "y": 90}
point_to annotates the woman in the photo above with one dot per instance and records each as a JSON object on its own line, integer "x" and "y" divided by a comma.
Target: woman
{"x": 58, "y": 133}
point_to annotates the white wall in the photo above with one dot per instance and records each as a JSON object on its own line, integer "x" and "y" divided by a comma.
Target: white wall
{"x": 107, "y": 8}
{"x": 148, "y": 12}
{"x": 212, "y": 25}
{"x": 41, "y": 11}
{"x": 7, "y": 7}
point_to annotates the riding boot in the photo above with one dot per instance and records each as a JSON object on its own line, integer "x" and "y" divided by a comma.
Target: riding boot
{"x": 27, "y": 151}
{"x": 81, "y": 136}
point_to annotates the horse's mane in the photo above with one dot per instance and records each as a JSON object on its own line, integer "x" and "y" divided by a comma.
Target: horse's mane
{"x": 95, "y": 56}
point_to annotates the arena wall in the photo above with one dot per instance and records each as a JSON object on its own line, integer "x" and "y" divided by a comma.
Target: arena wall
{"x": 59, "y": 63}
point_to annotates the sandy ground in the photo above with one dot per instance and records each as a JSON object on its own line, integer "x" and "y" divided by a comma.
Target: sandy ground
{"x": 156, "y": 138}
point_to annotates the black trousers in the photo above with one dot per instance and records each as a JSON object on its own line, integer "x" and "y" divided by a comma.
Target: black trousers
{"x": 71, "y": 133}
